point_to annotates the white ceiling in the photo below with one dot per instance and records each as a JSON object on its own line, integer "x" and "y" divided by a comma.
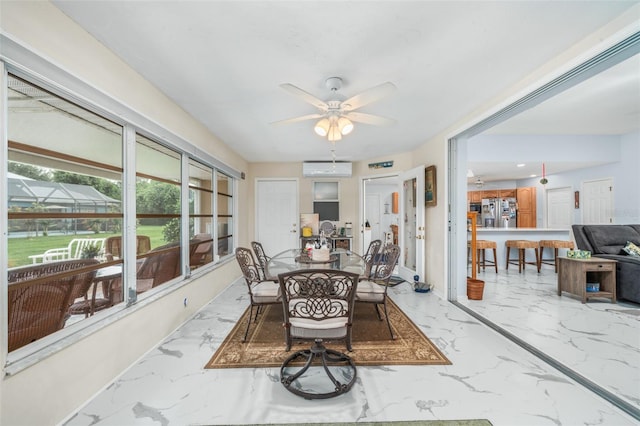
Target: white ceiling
{"x": 223, "y": 62}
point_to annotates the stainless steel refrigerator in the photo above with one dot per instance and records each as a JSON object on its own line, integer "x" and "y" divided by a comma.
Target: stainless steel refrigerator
{"x": 499, "y": 213}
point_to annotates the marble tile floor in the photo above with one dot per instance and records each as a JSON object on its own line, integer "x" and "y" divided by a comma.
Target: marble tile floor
{"x": 490, "y": 377}
{"x": 598, "y": 340}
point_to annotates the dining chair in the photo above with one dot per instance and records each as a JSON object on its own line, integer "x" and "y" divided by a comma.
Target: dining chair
{"x": 318, "y": 304}
{"x": 374, "y": 289}
{"x": 261, "y": 292}
{"x": 370, "y": 257}
{"x": 263, "y": 259}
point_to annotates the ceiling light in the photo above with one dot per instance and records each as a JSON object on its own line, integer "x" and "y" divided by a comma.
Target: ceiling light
{"x": 334, "y": 134}
{"x": 333, "y": 127}
{"x": 322, "y": 127}
{"x": 345, "y": 125}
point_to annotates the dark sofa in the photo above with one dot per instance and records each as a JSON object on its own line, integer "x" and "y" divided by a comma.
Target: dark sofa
{"x": 607, "y": 241}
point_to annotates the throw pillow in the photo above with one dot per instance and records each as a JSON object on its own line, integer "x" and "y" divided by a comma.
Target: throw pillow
{"x": 632, "y": 249}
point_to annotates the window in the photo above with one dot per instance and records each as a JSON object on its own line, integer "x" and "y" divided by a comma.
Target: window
{"x": 326, "y": 201}
{"x": 225, "y": 214}
{"x": 66, "y": 210}
{"x": 64, "y": 200}
{"x": 158, "y": 204}
{"x": 200, "y": 214}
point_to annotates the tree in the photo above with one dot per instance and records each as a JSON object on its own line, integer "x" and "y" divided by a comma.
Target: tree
{"x": 29, "y": 171}
{"x": 153, "y": 197}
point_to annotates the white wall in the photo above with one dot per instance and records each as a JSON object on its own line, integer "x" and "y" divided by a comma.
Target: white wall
{"x": 540, "y": 148}
{"x": 625, "y": 150}
{"x": 350, "y": 194}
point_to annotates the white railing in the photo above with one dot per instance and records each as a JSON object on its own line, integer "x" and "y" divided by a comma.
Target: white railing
{"x": 72, "y": 251}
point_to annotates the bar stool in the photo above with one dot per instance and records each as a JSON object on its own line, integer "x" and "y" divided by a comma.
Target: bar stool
{"x": 555, "y": 245}
{"x": 522, "y": 245}
{"x": 481, "y": 256}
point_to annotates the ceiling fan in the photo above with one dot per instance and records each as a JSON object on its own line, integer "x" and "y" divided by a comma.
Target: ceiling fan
{"x": 336, "y": 116}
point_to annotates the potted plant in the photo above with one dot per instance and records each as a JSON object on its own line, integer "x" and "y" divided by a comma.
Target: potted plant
{"x": 91, "y": 251}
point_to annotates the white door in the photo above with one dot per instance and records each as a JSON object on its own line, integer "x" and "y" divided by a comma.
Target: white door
{"x": 560, "y": 207}
{"x": 277, "y": 217}
{"x": 597, "y": 202}
{"x": 412, "y": 227}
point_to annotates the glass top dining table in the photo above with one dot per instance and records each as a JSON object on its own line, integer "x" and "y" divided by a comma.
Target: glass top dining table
{"x": 297, "y": 259}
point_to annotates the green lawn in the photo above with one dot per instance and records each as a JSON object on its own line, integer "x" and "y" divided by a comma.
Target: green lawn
{"x": 21, "y": 248}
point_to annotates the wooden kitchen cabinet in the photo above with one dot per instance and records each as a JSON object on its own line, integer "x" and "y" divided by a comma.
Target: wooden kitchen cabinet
{"x": 507, "y": 193}
{"x": 526, "y": 199}
{"x": 474, "y": 196}
{"x": 477, "y": 196}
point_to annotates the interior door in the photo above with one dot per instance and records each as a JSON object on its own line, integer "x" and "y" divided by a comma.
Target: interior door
{"x": 559, "y": 208}
{"x": 277, "y": 217}
{"x": 597, "y": 202}
{"x": 412, "y": 227}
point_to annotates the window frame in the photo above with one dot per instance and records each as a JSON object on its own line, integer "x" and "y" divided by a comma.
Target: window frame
{"x": 29, "y": 66}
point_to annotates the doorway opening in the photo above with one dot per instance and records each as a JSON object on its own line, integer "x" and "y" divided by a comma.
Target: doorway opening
{"x": 380, "y": 210}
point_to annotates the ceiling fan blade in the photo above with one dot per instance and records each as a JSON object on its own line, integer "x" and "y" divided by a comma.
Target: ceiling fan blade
{"x": 305, "y": 96}
{"x": 368, "y": 96}
{"x": 376, "y": 120}
{"x": 296, "y": 119}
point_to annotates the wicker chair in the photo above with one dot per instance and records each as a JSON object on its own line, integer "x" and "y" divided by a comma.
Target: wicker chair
{"x": 261, "y": 292}
{"x": 200, "y": 250}
{"x": 318, "y": 304}
{"x": 39, "y": 297}
{"x": 374, "y": 290}
{"x": 113, "y": 246}
{"x": 159, "y": 266}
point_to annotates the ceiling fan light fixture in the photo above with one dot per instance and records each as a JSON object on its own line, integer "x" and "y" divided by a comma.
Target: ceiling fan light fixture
{"x": 322, "y": 127}
{"x": 345, "y": 125}
{"x": 334, "y": 134}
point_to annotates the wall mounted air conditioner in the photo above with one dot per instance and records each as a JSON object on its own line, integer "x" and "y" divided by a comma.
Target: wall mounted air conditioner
{"x": 326, "y": 169}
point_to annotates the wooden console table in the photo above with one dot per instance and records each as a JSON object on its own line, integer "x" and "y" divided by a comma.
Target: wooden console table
{"x": 574, "y": 274}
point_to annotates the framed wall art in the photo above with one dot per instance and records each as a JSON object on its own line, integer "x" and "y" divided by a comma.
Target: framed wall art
{"x": 430, "y": 187}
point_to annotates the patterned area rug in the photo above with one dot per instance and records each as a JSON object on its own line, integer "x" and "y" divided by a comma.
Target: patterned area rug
{"x": 371, "y": 342}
